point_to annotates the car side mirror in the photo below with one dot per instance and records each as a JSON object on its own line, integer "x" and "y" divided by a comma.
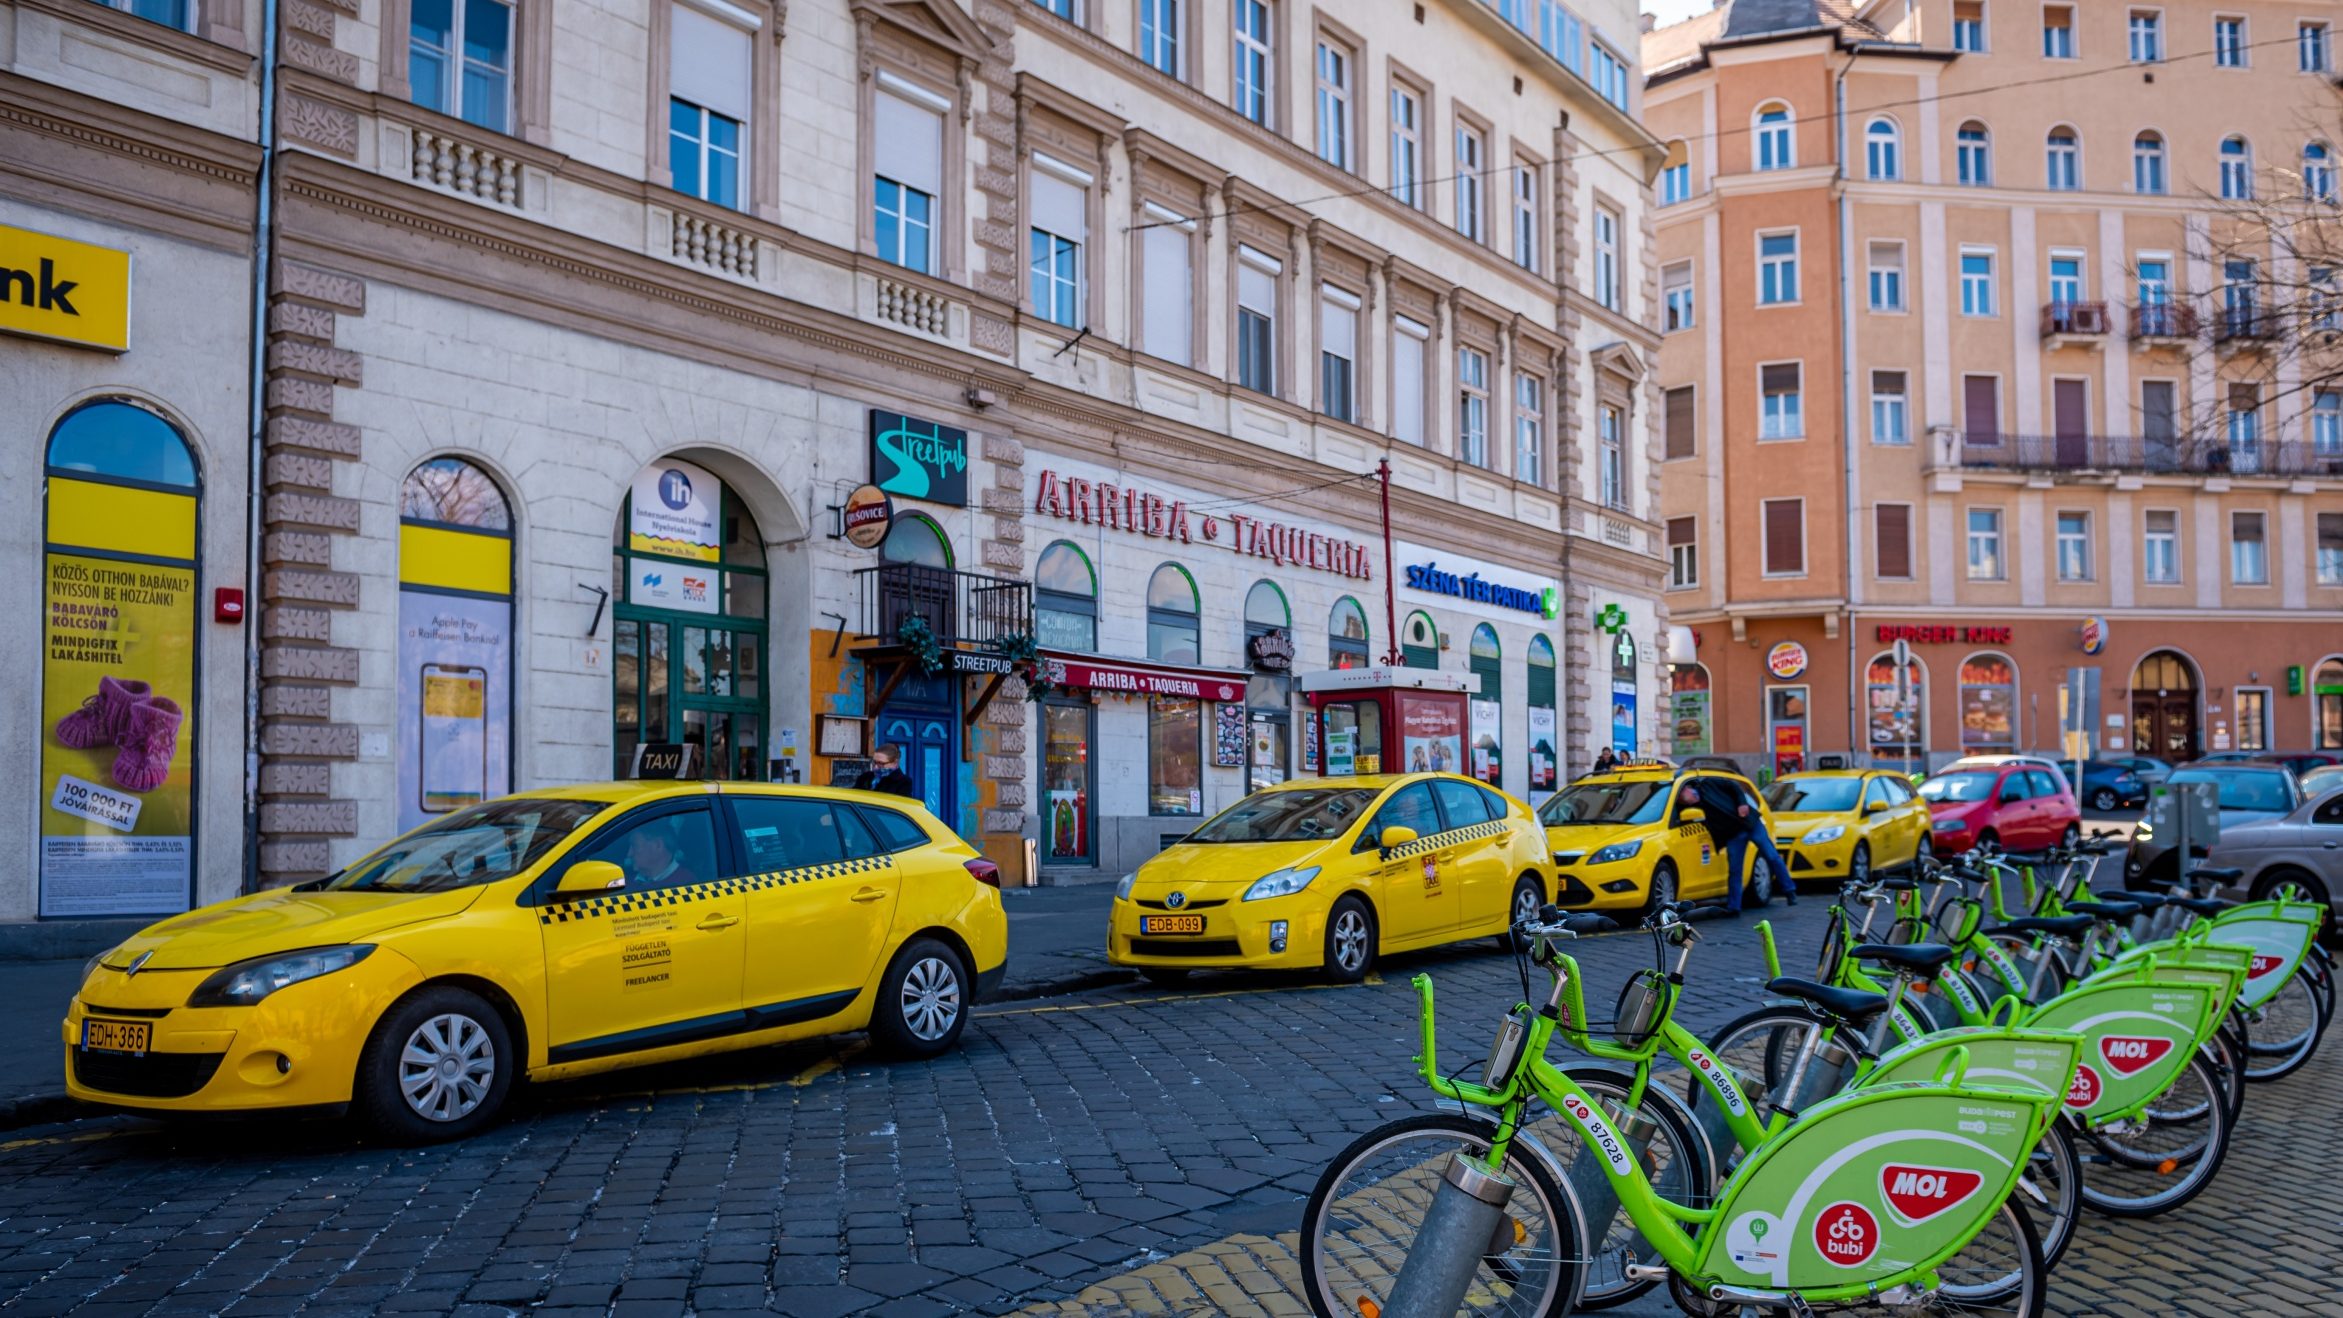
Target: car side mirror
{"x": 1692, "y": 814}
{"x": 1874, "y": 807}
{"x": 1394, "y": 837}
{"x": 589, "y": 878}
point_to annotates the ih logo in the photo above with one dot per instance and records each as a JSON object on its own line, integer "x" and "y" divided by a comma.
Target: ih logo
{"x": 2263, "y": 964}
{"x": 1847, "y": 1234}
{"x": 2085, "y": 1090}
{"x": 1916, "y": 1194}
{"x": 2131, "y": 1054}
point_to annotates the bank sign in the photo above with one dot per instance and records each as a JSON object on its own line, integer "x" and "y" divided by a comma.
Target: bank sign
{"x": 913, "y": 459}
{"x": 1473, "y": 590}
{"x": 69, "y": 292}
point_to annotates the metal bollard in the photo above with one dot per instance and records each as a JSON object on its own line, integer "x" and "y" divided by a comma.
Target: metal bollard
{"x": 1464, "y": 1217}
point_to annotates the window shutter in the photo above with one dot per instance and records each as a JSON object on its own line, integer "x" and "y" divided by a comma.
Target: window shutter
{"x": 2245, "y": 397}
{"x": 1782, "y": 379}
{"x": 1059, "y": 207}
{"x": 708, "y": 63}
{"x": 2156, "y": 410}
{"x": 1680, "y": 442}
{"x": 1680, "y": 531}
{"x": 1170, "y": 293}
{"x": 1785, "y": 536}
{"x": 1256, "y": 283}
{"x": 1981, "y": 409}
{"x": 1407, "y": 381}
{"x": 907, "y": 143}
{"x": 1338, "y": 328}
{"x": 1892, "y": 532}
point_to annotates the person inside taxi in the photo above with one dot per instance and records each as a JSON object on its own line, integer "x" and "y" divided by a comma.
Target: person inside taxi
{"x": 1732, "y": 825}
{"x": 653, "y": 859}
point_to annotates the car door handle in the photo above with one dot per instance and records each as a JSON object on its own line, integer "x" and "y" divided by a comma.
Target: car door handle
{"x": 869, "y": 895}
{"x": 719, "y": 921}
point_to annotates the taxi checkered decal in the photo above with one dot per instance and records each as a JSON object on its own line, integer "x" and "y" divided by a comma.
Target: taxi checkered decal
{"x": 1437, "y": 841}
{"x": 619, "y": 903}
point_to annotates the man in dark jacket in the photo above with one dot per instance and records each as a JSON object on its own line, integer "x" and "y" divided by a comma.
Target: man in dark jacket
{"x": 885, "y": 773}
{"x": 1733, "y": 825}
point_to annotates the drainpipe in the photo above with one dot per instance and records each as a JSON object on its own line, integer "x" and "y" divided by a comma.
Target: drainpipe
{"x": 1858, "y": 742}
{"x": 263, "y": 254}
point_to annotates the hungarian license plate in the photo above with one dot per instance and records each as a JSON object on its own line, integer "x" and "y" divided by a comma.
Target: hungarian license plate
{"x": 116, "y": 1036}
{"x": 1171, "y": 924}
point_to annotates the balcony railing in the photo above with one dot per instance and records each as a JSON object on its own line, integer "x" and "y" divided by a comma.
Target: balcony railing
{"x": 2175, "y": 455}
{"x": 960, "y": 608}
{"x": 2163, "y": 320}
{"x": 2245, "y": 325}
{"x": 2076, "y": 318}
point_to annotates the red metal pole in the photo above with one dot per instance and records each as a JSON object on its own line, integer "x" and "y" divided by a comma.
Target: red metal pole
{"x": 1390, "y": 588}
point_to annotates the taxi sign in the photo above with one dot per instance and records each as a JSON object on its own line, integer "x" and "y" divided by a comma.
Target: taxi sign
{"x": 55, "y": 288}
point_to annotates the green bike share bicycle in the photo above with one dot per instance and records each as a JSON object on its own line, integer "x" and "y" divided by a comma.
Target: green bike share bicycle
{"x": 1892, "y": 1197}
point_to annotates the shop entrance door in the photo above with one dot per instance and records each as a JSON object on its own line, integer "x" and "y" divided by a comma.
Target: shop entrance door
{"x": 699, "y": 682}
{"x": 922, "y": 731}
{"x": 1068, "y": 783}
{"x": 2164, "y": 707}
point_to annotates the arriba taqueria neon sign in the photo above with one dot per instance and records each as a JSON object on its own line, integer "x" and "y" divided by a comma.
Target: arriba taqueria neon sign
{"x": 1127, "y": 508}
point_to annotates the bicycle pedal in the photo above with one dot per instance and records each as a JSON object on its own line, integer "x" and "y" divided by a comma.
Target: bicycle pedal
{"x": 1798, "y": 1306}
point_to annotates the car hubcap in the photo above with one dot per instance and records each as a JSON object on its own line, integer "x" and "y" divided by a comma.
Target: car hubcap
{"x": 1860, "y": 867}
{"x": 931, "y": 998}
{"x": 1525, "y": 906}
{"x": 1663, "y": 887}
{"x": 1350, "y": 940}
{"x": 446, "y": 1068}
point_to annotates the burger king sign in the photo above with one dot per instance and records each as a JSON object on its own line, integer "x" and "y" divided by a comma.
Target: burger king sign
{"x": 1786, "y": 660}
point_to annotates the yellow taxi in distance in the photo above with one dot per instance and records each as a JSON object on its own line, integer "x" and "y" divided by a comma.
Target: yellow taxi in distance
{"x": 547, "y": 935}
{"x": 1330, "y": 873}
{"x": 1631, "y": 839}
{"x": 1839, "y": 824}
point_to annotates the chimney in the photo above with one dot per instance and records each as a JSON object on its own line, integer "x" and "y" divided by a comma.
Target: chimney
{"x": 1646, "y": 21}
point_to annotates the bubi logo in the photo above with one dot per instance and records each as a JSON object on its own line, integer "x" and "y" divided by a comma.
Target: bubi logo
{"x": 2131, "y": 1054}
{"x": 2085, "y": 1089}
{"x": 1916, "y": 1193}
{"x": 675, "y": 489}
{"x": 2263, "y": 964}
{"x": 1847, "y": 1234}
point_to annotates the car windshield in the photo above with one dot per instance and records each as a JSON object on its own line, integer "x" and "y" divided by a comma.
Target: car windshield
{"x": 1814, "y": 795}
{"x": 2320, "y": 781}
{"x": 482, "y": 845}
{"x": 1301, "y": 814}
{"x": 2260, "y": 791}
{"x": 1635, "y": 801}
{"x": 1975, "y": 785}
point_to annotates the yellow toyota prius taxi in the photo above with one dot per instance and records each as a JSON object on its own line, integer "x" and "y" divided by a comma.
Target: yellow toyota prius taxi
{"x": 1838, "y": 824}
{"x": 1633, "y": 839}
{"x": 1330, "y": 873}
{"x": 547, "y": 935}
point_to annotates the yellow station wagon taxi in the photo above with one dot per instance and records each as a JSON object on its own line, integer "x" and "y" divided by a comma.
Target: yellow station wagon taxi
{"x": 547, "y": 935}
{"x": 1838, "y": 824}
{"x": 1631, "y": 840}
{"x": 1330, "y": 873}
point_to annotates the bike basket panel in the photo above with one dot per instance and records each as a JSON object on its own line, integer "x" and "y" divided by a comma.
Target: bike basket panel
{"x": 2137, "y": 1038}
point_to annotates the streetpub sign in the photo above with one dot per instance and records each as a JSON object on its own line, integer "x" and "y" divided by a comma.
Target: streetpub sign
{"x": 915, "y": 459}
{"x": 1123, "y": 507}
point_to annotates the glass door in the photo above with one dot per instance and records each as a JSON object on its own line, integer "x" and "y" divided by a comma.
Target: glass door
{"x": 1067, "y": 731}
{"x": 700, "y": 683}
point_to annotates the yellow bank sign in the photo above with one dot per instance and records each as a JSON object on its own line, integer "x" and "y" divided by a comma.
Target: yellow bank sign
{"x": 56, "y": 288}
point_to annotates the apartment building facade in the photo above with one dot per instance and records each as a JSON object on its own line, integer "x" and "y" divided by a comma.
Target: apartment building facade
{"x": 1971, "y": 342}
{"x": 730, "y": 386}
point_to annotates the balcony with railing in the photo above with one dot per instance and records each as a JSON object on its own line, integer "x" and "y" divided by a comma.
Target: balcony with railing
{"x": 2073, "y": 322}
{"x": 2157, "y": 321}
{"x": 959, "y": 608}
{"x": 2246, "y": 327}
{"x": 2173, "y": 455}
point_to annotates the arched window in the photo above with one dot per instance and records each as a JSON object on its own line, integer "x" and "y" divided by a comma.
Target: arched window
{"x": 1545, "y": 740}
{"x": 2062, "y": 160}
{"x": 2147, "y": 164}
{"x": 1487, "y": 706}
{"x": 2326, "y": 686}
{"x": 1346, "y": 635}
{"x": 1419, "y": 641}
{"x": 455, "y": 660}
{"x": 453, "y": 492}
{"x": 2164, "y": 705}
{"x": 1898, "y": 711}
{"x": 1172, "y": 632}
{"x": 1065, "y": 600}
{"x": 1973, "y": 152}
{"x": 117, "y": 677}
{"x": 1989, "y": 703}
{"x": 688, "y": 632}
{"x": 1883, "y": 150}
{"x": 917, "y": 539}
{"x": 1776, "y": 143}
{"x": 1265, "y": 607}
{"x": 2237, "y": 169}
{"x": 2318, "y": 172}
{"x": 1485, "y": 658}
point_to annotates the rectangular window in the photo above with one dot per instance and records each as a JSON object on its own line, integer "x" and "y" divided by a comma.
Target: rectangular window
{"x": 1985, "y": 544}
{"x": 1338, "y": 353}
{"x": 2074, "y": 546}
{"x": 2244, "y": 428}
{"x": 1783, "y": 413}
{"x": 1777, "y": 268}
{"x": 1525, "y": 216}
{"x": 1887, "y": 276}
{"x": 2310, "y": 47}
{"x": 708, "y": 84}
{"x": 1175, "y": 756}
{"x": 2229, "y": 42}
{"x": 1562, "y": 34}
{"x": 2249, "y": 558}
{"x": 2240, "y": 311}
{"x": 178, "y": 15}
{"x": 1676, "y": 297}
{"x": 1257, "y": 320}
{"x": 2253, "y": 718}
{"x": 1059, "y": 210}
{"x": 1611, "y": 427}
{"x": 459, "y": 56}
{"x": 2160, "y": 547}
{"x": 1249, "y": 91}
{"x": 1409, "y": 361}
{"x": 1681, "y": 440}
{"x": 1472, "y": 406}
{"x": 1969, "y": 25}
{"x": 1065, "y": 9}
{"x": 1334, "y": 104}
{"x": 907, "y": 172}
{"x": 1683, "y": 553}
{"x": 1976, "y": 283}
{"x": 1608, "y": 289}
{"x": 1891, "y": 538}
{"x": 2326, "y": 423}
{"x": 1784, "y": 522}
{"x": 1529, "y": 428}
{"x": 1472, "y": 162}
{"x": 1608, "y": 74}
{"x": 2062, "y": 162}
{"x": 1676, "y": 183}
{"x": 1981, "y": 410}
{"x": 2330, "y": 550}
{"x": 1167, "y": 255}
{"x": 2147, "y": 36}
{"x": 2066, "y": 279}
{"x": 1407, "y": 145}
{"x": 1891, "y": 418}
{"x": 1160, "y": 31}
{"x": 2058, "y": 32}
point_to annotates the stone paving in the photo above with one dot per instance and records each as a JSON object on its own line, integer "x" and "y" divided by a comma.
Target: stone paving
{"x": 1116, "y": 1151}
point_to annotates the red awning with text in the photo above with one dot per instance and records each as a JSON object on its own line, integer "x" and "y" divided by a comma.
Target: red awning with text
{"x": 1140, "y": 677}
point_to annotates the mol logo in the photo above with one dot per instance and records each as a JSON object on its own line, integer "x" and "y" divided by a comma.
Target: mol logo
{"x": 2263, "y": 964}
{"x": 1916, "y": 1193}
{"x": 1846, "y": 1234}
{"x": 2130, "y": 1054}
{"x": 2085, "y": 1089}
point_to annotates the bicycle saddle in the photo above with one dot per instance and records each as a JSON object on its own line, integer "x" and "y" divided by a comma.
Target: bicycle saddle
{"x": 1921, "y": 959}
{"x": 1899, "y": 883}
{"x": 1853, "y": 1006}
{"x": 2058, "y": 926}
{"x": 2211, "y": 874}
{"x": 2200, "y": 905}
{"x": 2146, "y": 901}
{"x": 2106, "y": 910}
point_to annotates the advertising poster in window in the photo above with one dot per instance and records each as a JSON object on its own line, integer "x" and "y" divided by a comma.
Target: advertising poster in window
{"x": 1488, "y": 749}
{"x": 455, "y": 703}
{"x": 1623, "y": 721}
{"x": 1431, "y": 736}
{"x": 118, "y": 737}
{"x": 1228, "y": 736}
{"x": 1690, "y": 711}
{"x": 1895, "y": 711}
{"x": 1988, "y": 704}
{"x": 1543, "y": 761}
{"x": 673, "y": 512}
{"x": 1309, "y": 741}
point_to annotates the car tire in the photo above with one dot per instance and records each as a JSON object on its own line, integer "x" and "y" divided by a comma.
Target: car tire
{"x": 1165, "y": 975}
{"x": 1859, "y": 863}
{"x": 1350, "y": 940}
{"x": 459, "y": 1085}
{"x": 2072, "y": 834}
{"x": 923, "y": 1000}
{"x": 2106, "y": 799}
{"x": 2313, "y": 888}
{"x": 1989, "y": 838}
{"x": 1529, "y": 897}
{"x": 1664, "y": 887}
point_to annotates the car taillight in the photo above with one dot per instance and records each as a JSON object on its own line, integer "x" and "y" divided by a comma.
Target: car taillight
{"x": 985, "y": 872}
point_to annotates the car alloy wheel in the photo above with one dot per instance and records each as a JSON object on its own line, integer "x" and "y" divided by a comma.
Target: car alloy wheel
{"x": 1525, "y": 903}
{"x": 2104, "y": 799}
{"x": 447, "y": 1067}
{"x": 931, "y": 998}
{"x": 1859, "y": 864}
{"x": 1350, "y": 940}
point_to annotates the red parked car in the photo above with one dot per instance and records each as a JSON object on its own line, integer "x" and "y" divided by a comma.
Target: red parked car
{"x": 2015, "y": 803}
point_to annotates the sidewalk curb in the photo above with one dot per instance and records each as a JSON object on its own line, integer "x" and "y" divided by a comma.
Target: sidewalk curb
{"x": 1088, "y": 979}
{"x": 41, "y": 1110}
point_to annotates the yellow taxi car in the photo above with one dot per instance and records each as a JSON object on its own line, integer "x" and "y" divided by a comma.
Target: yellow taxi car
{"x": 547, "y": 935}
{"x": 1329, "y": 873}
{"x": 1839, "y": 824}
{"x": 1634, "y": 839}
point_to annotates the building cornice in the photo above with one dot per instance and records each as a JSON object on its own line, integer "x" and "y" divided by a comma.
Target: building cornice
{"x": 204, "y": 188}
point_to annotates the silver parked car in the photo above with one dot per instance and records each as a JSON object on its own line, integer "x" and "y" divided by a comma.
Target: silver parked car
{"x": 2269, "y": 829}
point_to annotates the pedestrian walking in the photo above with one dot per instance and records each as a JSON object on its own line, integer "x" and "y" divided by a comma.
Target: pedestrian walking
{"x": 885, "y": 773}
{"x": 1733, "y": 825}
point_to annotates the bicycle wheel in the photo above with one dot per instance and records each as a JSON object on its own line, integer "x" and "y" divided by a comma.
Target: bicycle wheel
{"x": 1370, "y": 1203}
{"x": 1673, "y": 1158}
{"x": 2153, "y": 1163}
{"x": 2051, "y": 1191}
{"x": 1999, "y": 1274}
{"x": 2320, "y": 967}
{"x": 1760, "y": 1048}
{"x": 2282, "y": 1033}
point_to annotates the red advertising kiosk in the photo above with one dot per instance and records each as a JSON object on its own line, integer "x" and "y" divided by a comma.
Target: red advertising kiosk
{"x": 1391, "y": 720}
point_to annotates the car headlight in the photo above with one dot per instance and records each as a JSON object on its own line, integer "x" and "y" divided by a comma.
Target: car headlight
{"x": 2145, "y": 832}
{"x": 1284, "y": 883}
{"x": 1826, "y": 833}
{"x": 1952, "y": 825}
{"x": 90, "y": 967}
{"x": 247, "y": 982}
{"x": 1617, "y": 851}
{"x": 1123, "y": 888}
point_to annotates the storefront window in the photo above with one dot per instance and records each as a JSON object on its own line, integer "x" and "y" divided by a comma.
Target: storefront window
{"x": 1346, "y": 635}
{"x": 1172, "y": 632}
{"x": 1419, "y": 645}
{"x": 1785, "y": 721}
{"x": 1989, "y": 701}
{"x": 1488, "y": 736}
{"x": 1625, "y": 720}
{"x": 1545, "y": 738}
{"x": 2327, "y": 691}
{"x": 1065, "y": 606}
{"x": 1898, "y": 712}
{"x": 1268, "y": 695}
{"x": 455, "y": 654}
{"x": 1354, "y": 738}
{"x": 1066, "y": 729}
{"x": 1175, "y": 756}
{"x": 688, "y": 623}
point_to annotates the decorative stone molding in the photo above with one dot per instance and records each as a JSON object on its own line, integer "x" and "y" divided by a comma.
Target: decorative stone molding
{"x": 327, "y": 127}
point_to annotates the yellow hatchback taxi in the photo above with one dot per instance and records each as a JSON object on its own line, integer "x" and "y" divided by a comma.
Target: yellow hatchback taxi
{"x": 1633, "y": 839}
{"x": 1329, "y": 873}
{"x": 547, "y": 935}
{"x": 1839, "y": 824}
